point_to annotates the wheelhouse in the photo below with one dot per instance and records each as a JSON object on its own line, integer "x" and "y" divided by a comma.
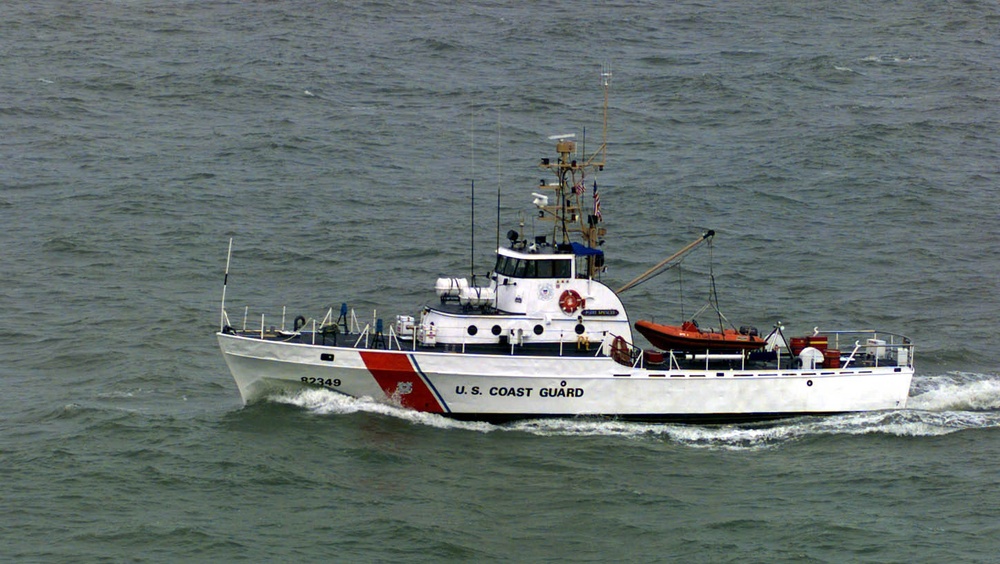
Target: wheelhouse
{"x": 518, "y": 265}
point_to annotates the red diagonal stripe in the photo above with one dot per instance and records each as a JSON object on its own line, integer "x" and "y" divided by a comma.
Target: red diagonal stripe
{"x": 393, "y": 372}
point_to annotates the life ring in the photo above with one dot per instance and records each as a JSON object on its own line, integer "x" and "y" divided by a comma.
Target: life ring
{"x": 619, "y": 351}
{"x": 299, "y": 323}
{"x": 570, "y": 301}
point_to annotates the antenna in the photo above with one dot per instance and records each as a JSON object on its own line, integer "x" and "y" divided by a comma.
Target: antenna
{"x": 472, "y": 204}
{"x": 568, "y": 212}
{"x": 498, "y": 179}
{"x": 472, "y": 232}
{"x": 606, "y": 84}
{"x": 225, "y": 281}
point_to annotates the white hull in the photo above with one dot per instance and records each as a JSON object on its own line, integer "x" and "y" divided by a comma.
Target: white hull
{"x": 482, "y": 386}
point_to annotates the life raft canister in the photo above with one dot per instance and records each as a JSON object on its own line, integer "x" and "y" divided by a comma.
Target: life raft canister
{"x": 570, "y": 301}
{"x": 620, "y": 351}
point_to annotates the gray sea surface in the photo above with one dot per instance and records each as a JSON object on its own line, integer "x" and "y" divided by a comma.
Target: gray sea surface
{"x": 846, "y": 153}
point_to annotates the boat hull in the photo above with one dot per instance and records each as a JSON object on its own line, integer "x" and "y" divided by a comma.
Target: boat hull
{"x": 506, "y": 387}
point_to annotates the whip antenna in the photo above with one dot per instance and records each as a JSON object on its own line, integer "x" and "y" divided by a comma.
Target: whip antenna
{"x": 225, "y": 280}
{"x": 472, "y": 203}
{"x": 498, "y": 180}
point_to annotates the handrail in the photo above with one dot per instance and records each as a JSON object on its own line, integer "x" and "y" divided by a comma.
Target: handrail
{"x": 873, "y": 332}
{"x": 633, "y": 351}
{"x": 363, "y": 335}
{"x": 857, "y": 345}
{"x": 882, "y": 347}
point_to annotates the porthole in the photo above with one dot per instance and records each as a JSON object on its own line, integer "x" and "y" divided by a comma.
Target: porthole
{"x": 496, "y": 330}
{"x": 579, "y": 329}
{"x": 539, "y": 329}
{"x": 473, "y": 329}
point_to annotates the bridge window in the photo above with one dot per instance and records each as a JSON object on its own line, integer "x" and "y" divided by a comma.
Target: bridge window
{"x": 543, "y": 268}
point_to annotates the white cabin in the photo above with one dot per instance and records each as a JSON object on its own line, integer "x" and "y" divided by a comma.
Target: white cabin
{"x": 533, "y": 297}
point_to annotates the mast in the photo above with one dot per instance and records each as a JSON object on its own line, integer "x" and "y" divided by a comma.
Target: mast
{"x": 569, "y": 210}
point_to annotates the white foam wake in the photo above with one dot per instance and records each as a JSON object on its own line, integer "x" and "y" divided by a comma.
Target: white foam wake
{"x": 938, "y": 405}
{"x": 957, "y": 391}
{"x": 326, "y": 402}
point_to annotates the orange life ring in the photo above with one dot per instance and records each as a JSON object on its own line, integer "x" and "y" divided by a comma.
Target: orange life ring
{"x": 620, "y": 352}
{"x": 570, "y": 301}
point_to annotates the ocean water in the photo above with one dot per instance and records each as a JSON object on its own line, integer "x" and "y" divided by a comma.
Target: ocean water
{"x": 846, "y": 153}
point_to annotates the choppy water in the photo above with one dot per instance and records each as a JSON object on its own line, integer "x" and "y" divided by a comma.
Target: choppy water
{"x": 846, "y": 154}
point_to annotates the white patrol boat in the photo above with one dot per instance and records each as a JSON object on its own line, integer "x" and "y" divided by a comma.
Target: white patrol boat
{"x": 545, "y": 337}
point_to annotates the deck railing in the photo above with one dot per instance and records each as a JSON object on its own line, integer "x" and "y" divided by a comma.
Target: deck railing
{"x": 839, "y": 349}
{"x": 881, "y": 347}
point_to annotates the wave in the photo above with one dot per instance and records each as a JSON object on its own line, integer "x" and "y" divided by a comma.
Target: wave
{"x": 326, "y": 402}
{"x": 942, "y": 405}
{"x": 956, "y": 391}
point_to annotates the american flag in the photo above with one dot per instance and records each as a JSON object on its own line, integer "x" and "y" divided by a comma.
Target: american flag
{"x": 597, "y": 203}
{"x": 579, "y": 188}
